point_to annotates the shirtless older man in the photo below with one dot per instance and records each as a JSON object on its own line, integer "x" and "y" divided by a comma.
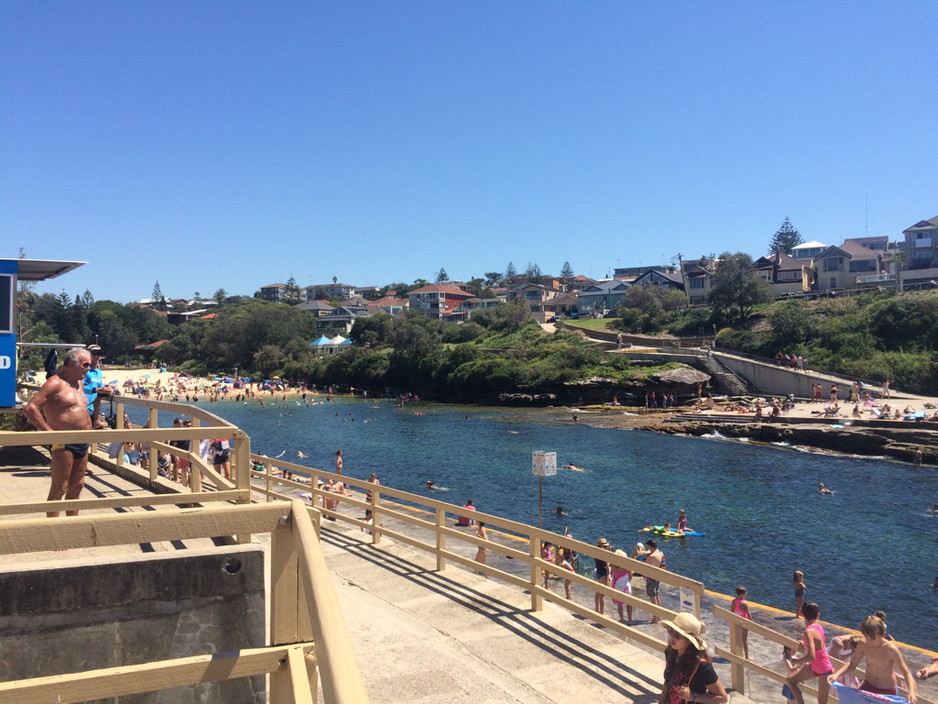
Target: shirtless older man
{"x": 61, "y": 405}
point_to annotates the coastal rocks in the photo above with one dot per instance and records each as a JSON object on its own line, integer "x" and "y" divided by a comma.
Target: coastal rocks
{"x": 897, "y": 443}
{"x": 684, "y": 376}
{"x": 527, "y": 399}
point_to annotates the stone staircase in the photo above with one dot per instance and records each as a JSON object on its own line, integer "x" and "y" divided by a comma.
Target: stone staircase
{"x": 723, "y": 380}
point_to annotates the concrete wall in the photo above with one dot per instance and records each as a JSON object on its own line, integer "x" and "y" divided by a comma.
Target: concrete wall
{"x": 107, "y": 614}
{"x": 776, "y": 381}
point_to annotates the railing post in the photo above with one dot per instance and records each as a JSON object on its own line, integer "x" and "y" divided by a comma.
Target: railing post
{"x": 195, "y": 472}
{"x": 269, "y": 479}
{"x": 119, "y": 415}
{"x": 242, "y": 473}
{"x": 375, "y": 520}
{"x": 242, "y": 469}
{"x": 289, "y": 614}
{"x": 440, "y": 540}
{"x": 737, "y": 672}
{"x": 534, "y": 552}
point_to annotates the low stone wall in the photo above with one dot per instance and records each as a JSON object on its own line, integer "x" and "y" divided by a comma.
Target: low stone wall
{"x": 56, "y": 620}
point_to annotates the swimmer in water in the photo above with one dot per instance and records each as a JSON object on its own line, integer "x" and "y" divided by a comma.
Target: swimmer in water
{"x": 823, "y": 490}
{"x": 430, "y": 484}
{"x": 561, "y": 512}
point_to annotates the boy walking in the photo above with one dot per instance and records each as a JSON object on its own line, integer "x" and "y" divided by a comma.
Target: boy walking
{"x": 882, "y": 660}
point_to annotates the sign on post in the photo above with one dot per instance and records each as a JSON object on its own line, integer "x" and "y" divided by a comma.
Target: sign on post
{"x": 543, "y": 464}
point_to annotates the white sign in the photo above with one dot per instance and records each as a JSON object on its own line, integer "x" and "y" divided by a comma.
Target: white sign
{"x": 543, "y": 464}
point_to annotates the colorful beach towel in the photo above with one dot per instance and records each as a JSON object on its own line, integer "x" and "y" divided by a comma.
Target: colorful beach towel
{"x": 849, "y": 695}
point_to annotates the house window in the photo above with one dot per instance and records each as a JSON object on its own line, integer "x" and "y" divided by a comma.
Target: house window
{"x": 697, "y": 283}
{"x": 863, "y": 265}
{"x": 832, "y": 264}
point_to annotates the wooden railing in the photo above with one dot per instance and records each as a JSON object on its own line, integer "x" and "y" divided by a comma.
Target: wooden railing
{"x": 308, "y": 639}
{"x": 307, "y": 632}
{"x": 430, "y": 517}
{"x": 740, "y": 666}
{"x": 205, "y": 426}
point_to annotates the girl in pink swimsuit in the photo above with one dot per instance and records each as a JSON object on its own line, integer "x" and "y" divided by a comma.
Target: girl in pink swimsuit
{"x": 815, "y": 654}
{"x": 741, "y": 608}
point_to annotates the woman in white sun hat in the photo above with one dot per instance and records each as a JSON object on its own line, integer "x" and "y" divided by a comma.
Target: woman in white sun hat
{"x": 688, "y": 673}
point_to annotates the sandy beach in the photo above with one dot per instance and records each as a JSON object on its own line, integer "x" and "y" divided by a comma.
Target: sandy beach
{"x": 170, "y": 382}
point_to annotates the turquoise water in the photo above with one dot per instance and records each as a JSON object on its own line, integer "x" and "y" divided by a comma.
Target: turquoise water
{"x": 872, "y": 545}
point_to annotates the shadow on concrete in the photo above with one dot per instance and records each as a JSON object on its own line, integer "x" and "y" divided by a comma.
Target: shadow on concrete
{"x": 521, "y": 623}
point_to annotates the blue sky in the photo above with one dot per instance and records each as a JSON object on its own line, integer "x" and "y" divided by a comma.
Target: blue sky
{"x": 232, "y": 144}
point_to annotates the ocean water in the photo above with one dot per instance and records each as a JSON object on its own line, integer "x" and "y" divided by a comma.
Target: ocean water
{"x": 872, "y": 545}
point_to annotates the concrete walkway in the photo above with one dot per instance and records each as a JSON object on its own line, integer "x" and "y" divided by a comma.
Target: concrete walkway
{"x": 454, "y": 636}
{"x": 426, "y": 636}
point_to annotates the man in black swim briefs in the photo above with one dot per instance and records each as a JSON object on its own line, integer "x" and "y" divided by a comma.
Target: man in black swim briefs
{"x": 61, "y": 405}
{"x": 78, "y": 451}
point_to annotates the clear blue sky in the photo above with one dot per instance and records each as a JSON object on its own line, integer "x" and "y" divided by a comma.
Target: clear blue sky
{"x": 232, "y": 144}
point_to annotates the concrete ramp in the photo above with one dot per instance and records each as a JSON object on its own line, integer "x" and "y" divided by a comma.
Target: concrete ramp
{"x": 424, "y": 637}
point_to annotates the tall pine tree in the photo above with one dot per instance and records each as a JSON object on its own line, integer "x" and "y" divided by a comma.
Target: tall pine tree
{"x": 785, "y": 239}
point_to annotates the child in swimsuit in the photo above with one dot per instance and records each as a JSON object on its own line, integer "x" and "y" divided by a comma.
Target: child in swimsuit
{"x": 800, "y": 589}
{"x": 547, "y": 554}
{"x": 741, "y": 608}
{"x": 815, "y": 654}
{"x": 882, "y": 660}
{"x": 682, "y": 522}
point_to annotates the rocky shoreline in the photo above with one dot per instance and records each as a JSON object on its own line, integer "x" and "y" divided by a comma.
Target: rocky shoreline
{"x": 899, "y": 443}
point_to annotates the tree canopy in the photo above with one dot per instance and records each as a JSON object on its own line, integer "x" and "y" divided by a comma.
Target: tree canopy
{"x": 534, "y": 273}
{"x": 292, "y": 293}
{"x": 737, "y": 288}
{"x": 785, "y": 239}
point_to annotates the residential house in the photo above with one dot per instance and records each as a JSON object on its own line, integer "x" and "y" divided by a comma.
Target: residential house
{"x": 318, "y": 308}
{"x": 472, "y": 305}
{"x": 921, "y": 244}
{"x": 275, "y": 293}
{"x": 578, "y": 282}
{"x": 839, "y": 267}
{"x": 785, "y": 274}
{"x": 437, "y": 300}
{"x": 562, "y": 305}
{"x": 878, "y": 243}
{"x": 808, "y": 250}
{"x": 340, "y": 291}
{"x": 672, "y": 280}
{"x": 392, "y": 305}
{"x": 699, "y": 281}
{"x": 179, "y": 317}
{"x": 602, "y": 296}
{"x": 536, "y": 296}
{"x": 372, "y": 293}
{"x": 633, "y": 272}
{"x": 342, "y": 319}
